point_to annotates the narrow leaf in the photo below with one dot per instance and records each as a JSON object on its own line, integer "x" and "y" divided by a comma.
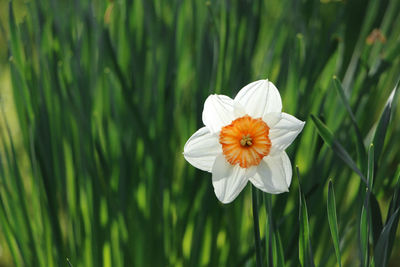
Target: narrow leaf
{"x": 380, "y": 132}
{"x": 370, "y": 172}
{"x": 15, "y": 40}
{"x": 382, "y": 251}
{"x": 364, "y": 232}
{"x": 376, "y": 218}
{"x": 365, "y": 211}
{"x": 395, "y": 202}
{"x": 274, "y": 248}
{"x": 332, "y": 219}
{"x": 257, "y": 240}
{"x": 359, "y": 144}
{"x": 330, "y": 140}
{"x": 280, "y": 258}
{"x": 305, "y": 251}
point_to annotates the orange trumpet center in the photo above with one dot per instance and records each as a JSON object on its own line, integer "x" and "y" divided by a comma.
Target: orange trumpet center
{"x": 245, "y": 141}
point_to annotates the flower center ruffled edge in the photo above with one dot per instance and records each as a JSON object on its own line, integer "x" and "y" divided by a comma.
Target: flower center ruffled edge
{"x": 245, "y": 141}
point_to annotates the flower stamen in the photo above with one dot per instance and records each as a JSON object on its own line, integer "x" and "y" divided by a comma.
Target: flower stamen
{"x": 245, "y": 141}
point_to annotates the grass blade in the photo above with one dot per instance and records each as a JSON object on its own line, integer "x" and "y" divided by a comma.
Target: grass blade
{"x": 332, "y": 219}
{"x": 330, "y": 140}
{"x": 376, "y": 217}
{"x": 359, "y": 144}
{"x": 256, "y": 226}
{"x": 15, "y": 40}
{"x": 395, "y": 202}
{"x": 370, "y": 173}
{"x": 305, "y": 251}
{"x": 274, "y": 248}
{"x": 364, "y": 233}
{"x": 365, "y": 211}
{"x": 380, "y": 132}
{"x": 382, "y": 251}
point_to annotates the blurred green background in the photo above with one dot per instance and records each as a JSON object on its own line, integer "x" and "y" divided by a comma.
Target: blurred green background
{"x": 99, "y": 97}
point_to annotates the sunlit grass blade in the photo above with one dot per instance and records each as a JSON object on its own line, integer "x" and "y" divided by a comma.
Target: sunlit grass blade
{"x": 15, "y": 40}
{"x": 21, "y": 215}
{"x": 305, "y": 251}
{"x": 69, "y": 262}
{"x": 7, "y": 220}
{"x": 380, "y": 132}
{"x": 332, "y": 219}
{"x": 330, "y": 140}
{"x": 362, "y": 157}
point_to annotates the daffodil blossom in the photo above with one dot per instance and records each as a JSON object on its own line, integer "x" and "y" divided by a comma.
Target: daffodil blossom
{"x": 244, "y": 139}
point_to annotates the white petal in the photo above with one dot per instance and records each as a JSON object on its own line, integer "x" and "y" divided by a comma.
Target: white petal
{"x": 218, "y": 112}
{"x": 228, "y": 180}
{"x": 259, "y": 98}
{"x": 274, "y": 174}
{"x": 272, "y": 118}
{"x": 202, "y": 148}
{"x": 285, "y": 131}
{"x": 238, "y": 109}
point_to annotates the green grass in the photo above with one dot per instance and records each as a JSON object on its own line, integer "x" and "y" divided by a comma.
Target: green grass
{"x": 106, "y": 93}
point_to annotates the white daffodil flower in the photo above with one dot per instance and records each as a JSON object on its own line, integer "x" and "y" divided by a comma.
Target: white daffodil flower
{"x": 244, "y": 139}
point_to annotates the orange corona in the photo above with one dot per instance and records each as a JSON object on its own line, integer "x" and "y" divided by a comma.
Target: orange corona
{"x": 245, "y": 141}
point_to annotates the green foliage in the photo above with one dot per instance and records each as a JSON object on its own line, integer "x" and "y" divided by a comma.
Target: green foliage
{"x": 332, "y": 219}
{"x": 361, "y": 155}
{"x": 274, "y": 248}
{"x": 365, "y": 212}
{"x": 330, "y": 140}
{"x": 381, "y": 250}
{"x": 305, "y": 249}
{"x": 106, "y": 93}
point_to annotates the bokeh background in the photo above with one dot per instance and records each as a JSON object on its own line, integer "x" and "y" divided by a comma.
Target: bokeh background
{"x": 99, "y": 97}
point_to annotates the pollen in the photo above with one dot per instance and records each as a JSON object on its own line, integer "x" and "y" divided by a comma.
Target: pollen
{"x": 245, "y": 141}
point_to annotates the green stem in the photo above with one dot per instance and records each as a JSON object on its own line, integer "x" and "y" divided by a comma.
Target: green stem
{"x": 256, "y": 226}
